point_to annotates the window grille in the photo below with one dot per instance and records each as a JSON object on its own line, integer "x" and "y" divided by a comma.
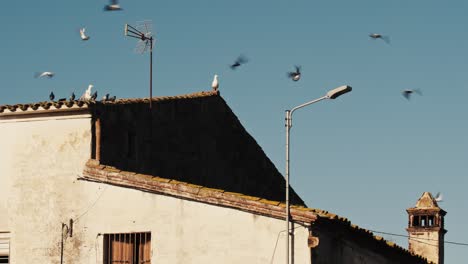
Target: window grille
{"x": 131, "y": 248}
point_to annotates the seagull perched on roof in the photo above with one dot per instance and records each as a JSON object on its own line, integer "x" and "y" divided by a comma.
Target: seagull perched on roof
{"x": 87, "y": 94}
{"x": 407, "y": 93}
{"x": 296, "y": 75}
{"x": 239, "y": 61}
{"x": 215, "y": 83}
{"x": 380, "y": 36}
{"x": 44, "y": 74}
{"x": 113, "y": 6}
{"x": 83, "y": 35}
{"x": 51, "y": 96}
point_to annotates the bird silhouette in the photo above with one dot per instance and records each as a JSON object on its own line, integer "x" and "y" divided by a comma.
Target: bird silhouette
{"x": 105, "y": 98}
{"x": 439, "y": 197}
{"x": 83, "y": 36}
{"x": 113, "y": 6}
{"x": 112, "y": 99}
{"x": 52, "y": 96}
{"x": 72, "y": 96}
{"x": 45, "y": 74}
{"x": 215, "y": 83}
{"x": 407, "y": 93}
{"x": 94, "y": 96}
{"x": 295, "y": 75}
{"x": 239, "y": 61}
{"x": 380, "y": 36}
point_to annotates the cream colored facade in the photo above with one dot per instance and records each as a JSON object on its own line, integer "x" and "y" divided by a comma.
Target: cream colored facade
{"x": 40, "y": 162}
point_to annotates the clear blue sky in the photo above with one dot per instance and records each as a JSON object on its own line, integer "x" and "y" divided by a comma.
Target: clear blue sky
{"x": 367, "y": 156}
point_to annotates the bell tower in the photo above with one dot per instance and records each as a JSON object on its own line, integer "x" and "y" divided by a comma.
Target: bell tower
{"x": 426, "y": 229}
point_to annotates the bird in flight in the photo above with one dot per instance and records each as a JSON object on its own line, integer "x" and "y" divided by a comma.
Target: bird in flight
{"x": 45, "y": 74}
{"x": 407, "y": 93}
{"x": 83, "y": 36}
{"x": 52, "y": 96}
{"x": 113, "y": 6}
{"x": 239, "y": 61}
{"x": 439, "y": 197}
{"x": 380, "y": 36}
{"x": 215, "y": 83}
{"x": 295, "y": 75}
{"x": 87, "y": 94}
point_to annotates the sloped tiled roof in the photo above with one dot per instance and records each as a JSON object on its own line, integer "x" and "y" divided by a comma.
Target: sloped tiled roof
{"x": 110, "y": 175}
{"x": 66, "y": 105}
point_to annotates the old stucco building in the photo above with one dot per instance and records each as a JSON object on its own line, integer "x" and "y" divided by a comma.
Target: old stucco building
{"x": 115, "y": 182}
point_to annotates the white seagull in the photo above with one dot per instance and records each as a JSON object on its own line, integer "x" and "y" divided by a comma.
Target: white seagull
{"x": 215, "y": 83}
{"x": 83, "y": 35}
{"x": 44, "y": 74}
{"x": 87, "y": 94}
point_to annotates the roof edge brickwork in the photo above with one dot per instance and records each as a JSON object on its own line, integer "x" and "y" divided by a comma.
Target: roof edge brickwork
{"x": 78, "y": 105}
{"x": 96, "y": 172}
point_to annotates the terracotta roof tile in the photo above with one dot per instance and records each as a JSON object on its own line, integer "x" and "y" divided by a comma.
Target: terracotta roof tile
{"x": 76, "y": 104}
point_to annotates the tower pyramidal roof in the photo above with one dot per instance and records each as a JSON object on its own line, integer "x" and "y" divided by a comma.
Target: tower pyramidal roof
{"x": 426, "y": 201}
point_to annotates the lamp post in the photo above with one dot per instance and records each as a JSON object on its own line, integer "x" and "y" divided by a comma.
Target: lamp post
{"x": 332, "y": 94}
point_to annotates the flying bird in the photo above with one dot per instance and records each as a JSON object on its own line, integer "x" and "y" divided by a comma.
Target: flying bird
{"x": 87, "y": 94}
{"x": 439, "y": 197}
{"x": 52, "y": 96}
{"x": 113, "y": 6}
{"x": 295, "y": 75}
{"x": 215, "y": 83}
{"x": 407, "y": 93}
{"x": 239, "y": 61}
{"x": 380, "y": 36}
{"x": 72, "y": 96}
{"x": 45, "y": 74}
{"x": 83, "y": 36}
{"x": 94, "y": 96}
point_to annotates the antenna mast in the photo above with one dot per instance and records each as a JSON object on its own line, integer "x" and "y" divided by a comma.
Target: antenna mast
{"x": 143, "y": 32}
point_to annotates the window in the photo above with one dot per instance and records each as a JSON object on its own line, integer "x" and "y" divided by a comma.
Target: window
{"x": 4, "y": 249}
{"x": 131, "y": 248}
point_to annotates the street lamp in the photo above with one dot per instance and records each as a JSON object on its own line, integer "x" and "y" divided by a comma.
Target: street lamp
{"x": 332, "y": 94}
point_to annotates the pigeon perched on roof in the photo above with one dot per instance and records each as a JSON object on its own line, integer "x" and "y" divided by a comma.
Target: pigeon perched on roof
{"x": 87, "y": 94}
{"x": 112, "y": 99}
{"x": 83, "y": 36}
{"x": 407, "y": 93}
{"x": 105, "y": 98}
{"x": 72, "y": 96}
{"x": 239, "y": 61}
{"x": 380, "y": 36}
{"x": 94, "y": 96}
{"x": 113, "y": 6}
{"x": 215, "y": 83}
{"x": 295, "y": 75}
{"x": 51, "y": 96}
{"x": 45, "y": 74}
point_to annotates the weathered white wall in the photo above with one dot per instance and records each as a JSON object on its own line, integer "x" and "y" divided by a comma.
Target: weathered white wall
{"x": 425, "y": 243}
{"x": 39, "y": 165}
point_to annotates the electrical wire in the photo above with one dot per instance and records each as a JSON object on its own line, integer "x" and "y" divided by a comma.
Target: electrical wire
{"x": 419, "y": 238}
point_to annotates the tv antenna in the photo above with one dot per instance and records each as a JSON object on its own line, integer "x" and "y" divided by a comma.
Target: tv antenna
{"x": 142, "y": 31}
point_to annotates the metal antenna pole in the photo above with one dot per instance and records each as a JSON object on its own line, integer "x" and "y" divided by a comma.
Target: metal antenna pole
{"x": 288, "y": 128}
{"x": 151, "y": 72}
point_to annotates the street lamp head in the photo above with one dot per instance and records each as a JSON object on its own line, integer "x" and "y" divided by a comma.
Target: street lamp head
{"x": 333, "y": 94}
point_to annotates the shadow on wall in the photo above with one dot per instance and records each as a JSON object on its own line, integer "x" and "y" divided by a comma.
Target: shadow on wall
{"x": 195, "y": 140}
